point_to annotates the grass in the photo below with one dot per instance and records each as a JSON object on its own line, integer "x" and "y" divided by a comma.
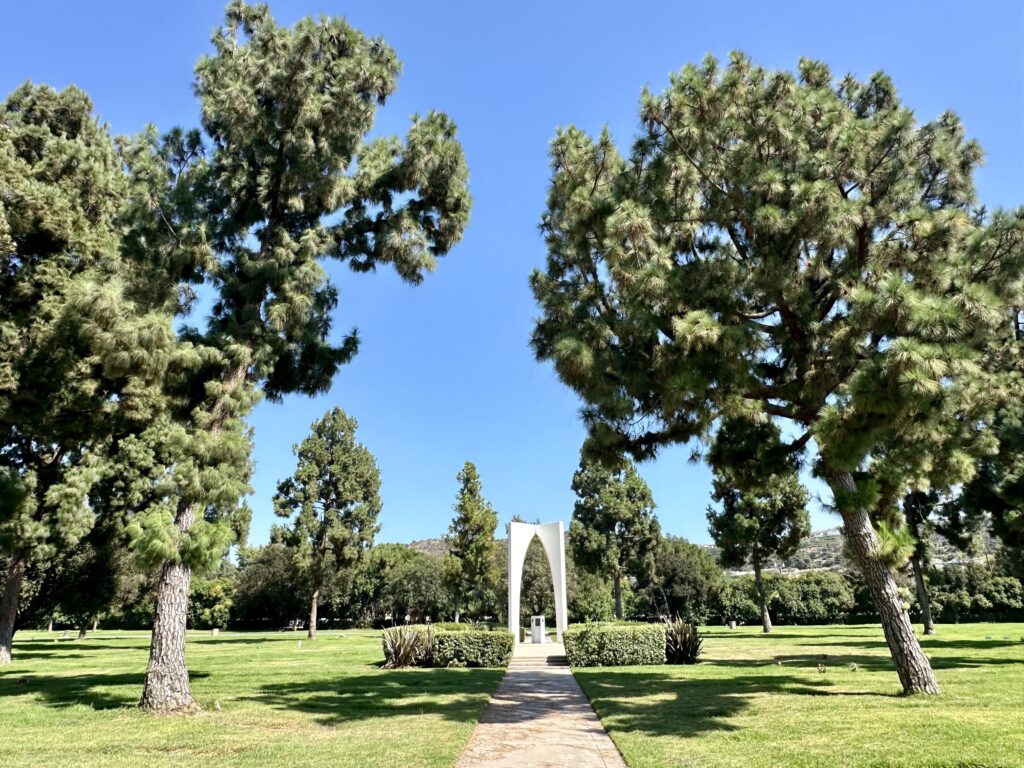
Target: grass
{"x": 759, "y": 701}
{"x": 282, "y": 703}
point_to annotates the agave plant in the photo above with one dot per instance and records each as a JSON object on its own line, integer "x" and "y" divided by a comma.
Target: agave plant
{"x": 682, "y": 642}
{"x": 407, "y": 647}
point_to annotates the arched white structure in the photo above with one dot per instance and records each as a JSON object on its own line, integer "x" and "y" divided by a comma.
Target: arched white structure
{"x": 552, "y": 537}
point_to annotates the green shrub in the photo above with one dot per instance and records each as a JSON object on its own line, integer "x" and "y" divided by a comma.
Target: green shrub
{"x": 614, "y": 644}
{"x": 472, "y": 648}
{"x": 408, "y": 646}
{"x": 682, "y": 642}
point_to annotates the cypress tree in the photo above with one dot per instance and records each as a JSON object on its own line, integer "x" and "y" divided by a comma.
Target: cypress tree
{"x": 469, "y": 564}
{"x": 763, "y": 510}
{"x": 613, "y": 532}
{"x": 775, "y": 244}
{"x": 333, "y": 499}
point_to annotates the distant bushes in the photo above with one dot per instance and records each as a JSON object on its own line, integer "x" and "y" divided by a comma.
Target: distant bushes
{"x": 605, "y": 644}
{"x": 446, "y": 645}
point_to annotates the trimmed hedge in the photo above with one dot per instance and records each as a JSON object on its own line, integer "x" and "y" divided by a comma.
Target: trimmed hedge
{"x": 472, "y": 648}
{"x": 606, "y": 644}
{"x": 449, "y": 645}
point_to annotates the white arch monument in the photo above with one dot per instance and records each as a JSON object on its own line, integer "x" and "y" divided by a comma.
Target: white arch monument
{"x": 552, "y": 537}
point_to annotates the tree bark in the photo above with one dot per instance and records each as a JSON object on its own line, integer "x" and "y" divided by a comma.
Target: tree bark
{"x": 912, "y": 666}
{"x": 311, "y": 633}
{"x": 9, "y": 605}
{"x": 49, "y": 624}
{"x": 166, "y": 689}
{"x": 617, "y": 587}
{"x": 766, "y": 619}
{"x": 83, "y": 630}
{"x": 922, "y": 595}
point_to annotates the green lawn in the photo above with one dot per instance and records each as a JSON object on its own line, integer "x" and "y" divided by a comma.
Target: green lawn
{"x": 325, "y": 704}
{"x": 759, "y": 701}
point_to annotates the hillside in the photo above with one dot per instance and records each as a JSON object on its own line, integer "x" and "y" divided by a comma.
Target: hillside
{"x": 822, "y": 550}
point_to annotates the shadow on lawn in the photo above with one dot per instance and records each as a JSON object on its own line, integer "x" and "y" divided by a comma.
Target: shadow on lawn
{"x": 90, "y": 690}
{"x": 459, "y": 695}
{"x": 696, "y": 706}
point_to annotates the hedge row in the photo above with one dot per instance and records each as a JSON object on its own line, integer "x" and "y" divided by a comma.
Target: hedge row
{"x": 457, "y": 645}
{"x": 472, "y": 648}
{"x": 606, "y": 644}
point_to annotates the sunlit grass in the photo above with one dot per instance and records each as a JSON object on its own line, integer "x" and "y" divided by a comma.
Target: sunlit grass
{"x": 759, "y": 701}
{"x": 283, "y": 701}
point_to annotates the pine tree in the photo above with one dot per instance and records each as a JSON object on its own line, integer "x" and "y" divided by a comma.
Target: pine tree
{"x": 763, "y": 510}
{"x": 613, "y": 532}
{"x": 469, "y": 570}
{"x": 81, "y": 346}
{"x": 278, "y": 179}
{"x": 333, "y": 499}
{"x": 781, "y": 245}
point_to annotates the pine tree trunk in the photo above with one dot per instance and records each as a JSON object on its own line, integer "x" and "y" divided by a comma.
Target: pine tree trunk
{"x": 457, "y": 614}
{"x": 9, "y": 605}
{"x": 617, "y": 586}
{"x": 311, "y": 633}
{"x": 83, "y": 630}
{"x": 95, "y": 623}
{"x": 912, "y": 666}
{"x": 766, "y": 619}
{"x": 922, "y": 595}
{"x": 49, "y": 624}
{"x": 166, "y": 689}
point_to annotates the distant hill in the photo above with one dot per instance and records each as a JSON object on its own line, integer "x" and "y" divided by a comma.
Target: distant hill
{"x": 821, "y": 551}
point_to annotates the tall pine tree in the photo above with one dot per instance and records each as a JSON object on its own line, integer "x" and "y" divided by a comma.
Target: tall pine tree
{"x": 278, "y": 179}
{"x": 333, "y": 500}
{"x": 778, "y": 244}
{"x": 469, "y": 565}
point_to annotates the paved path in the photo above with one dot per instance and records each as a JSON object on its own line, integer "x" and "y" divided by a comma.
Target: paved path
{"x": 538, "y": 718}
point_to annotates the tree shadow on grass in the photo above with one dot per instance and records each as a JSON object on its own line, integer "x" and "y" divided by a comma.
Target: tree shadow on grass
{"x": 458, "y": 695}
{"x": 865, "y": 662}
{"x": 695, "y": 706}
{"x": 99, "y": 691}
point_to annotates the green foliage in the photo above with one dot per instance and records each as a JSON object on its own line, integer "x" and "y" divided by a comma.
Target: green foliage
{"x": 473, "y": 648}
{"x": 459, "y": 645}
{"x": 332, "y": 500}
{"x": 82, "y": 348}
{"x": 763, "y": 510}
{"x": 469, "y": 565}
{"x": 686, "y": 582}
{"x": 210, "y": 602}
{"x": 613, "y": 531}
{"x": 682, "y": 642}
{"x": 589, "y": 597}
{"x": 267, "y": 591}
{"x": 614, "y": 644}
{"x": 815, "y": 597}
{"x": 407, "y": 646}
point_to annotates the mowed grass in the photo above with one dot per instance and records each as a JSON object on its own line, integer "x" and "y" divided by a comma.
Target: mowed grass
{"x": 759, "y": 701}
{"x": 322, "y": 703}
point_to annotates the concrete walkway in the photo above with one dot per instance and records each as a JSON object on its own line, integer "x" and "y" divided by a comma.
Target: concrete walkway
{"x": 539, "y": 717}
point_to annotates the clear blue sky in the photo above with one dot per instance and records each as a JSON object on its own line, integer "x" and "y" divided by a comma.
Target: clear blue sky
{"x": 445, "y": 373}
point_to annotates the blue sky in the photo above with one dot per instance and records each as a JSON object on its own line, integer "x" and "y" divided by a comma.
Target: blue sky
{"x": 445, "y": 373}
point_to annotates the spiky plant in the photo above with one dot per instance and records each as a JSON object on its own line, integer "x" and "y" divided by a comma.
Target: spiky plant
{"x": 406, "y": 646}
{"x": 682, "y": 642}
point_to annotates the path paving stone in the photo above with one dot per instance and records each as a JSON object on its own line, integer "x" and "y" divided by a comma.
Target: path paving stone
{"x": 539, "y": 718}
